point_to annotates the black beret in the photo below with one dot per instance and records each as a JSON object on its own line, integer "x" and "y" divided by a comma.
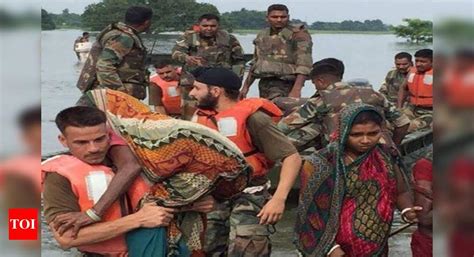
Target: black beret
{"x": 220, "y": 77}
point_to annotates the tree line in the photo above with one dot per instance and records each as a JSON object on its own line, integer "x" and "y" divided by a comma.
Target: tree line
{"x": 178, "y": 15}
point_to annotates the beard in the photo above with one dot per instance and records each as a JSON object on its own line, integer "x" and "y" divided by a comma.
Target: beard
{"x": 207, "y": 103}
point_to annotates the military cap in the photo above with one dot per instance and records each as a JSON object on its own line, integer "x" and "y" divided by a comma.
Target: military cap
{"x": 218, "y": 76}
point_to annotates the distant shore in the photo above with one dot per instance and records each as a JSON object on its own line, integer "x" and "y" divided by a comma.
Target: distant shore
{"x": 312, "y": 31}
{"x": 255, "y": 31}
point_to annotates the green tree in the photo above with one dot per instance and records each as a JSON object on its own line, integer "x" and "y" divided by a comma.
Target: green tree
{"x": 168, "y": 15}
{"x": 46, "y": 21}
{"x": 245, "y": 19}
{"x": 67, "y": 19}
{"x": 349, "y": 25}
{"x": 416, "y": 30}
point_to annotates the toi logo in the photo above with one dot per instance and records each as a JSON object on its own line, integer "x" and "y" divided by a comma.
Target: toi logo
{"x": 23, "y": 224}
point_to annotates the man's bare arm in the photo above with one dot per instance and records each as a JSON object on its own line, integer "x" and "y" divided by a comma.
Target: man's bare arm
{"x": 149, "y": 216}
{"x": 273, "y": 210}
{"x": 128, "y": 169}
{"x": 402, "y": 94}
{"x": 297, "y": 86}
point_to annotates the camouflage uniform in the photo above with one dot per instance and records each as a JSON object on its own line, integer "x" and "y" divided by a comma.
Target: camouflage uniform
{"x": 421, "y": 118}
{"x": 233, "y": 228}
{"x": 279, "y": 57}
{"x": 222, "y": 51}
{"x": 235, "y": 220}
{"x": 314, "y": 122}
{"x": 391, "y": 85}
{"x": 116, "y": 61}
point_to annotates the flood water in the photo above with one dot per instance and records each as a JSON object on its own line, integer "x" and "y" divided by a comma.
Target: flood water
{"x": 364, "y": 56}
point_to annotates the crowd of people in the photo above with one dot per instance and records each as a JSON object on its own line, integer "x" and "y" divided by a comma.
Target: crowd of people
{"x": 188, "y": 173}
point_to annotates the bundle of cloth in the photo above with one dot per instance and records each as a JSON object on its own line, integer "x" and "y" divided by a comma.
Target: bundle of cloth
{"x": 184, "y": 160}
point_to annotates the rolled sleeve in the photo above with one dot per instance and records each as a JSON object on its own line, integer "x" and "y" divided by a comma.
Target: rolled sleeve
{"x": 304, "y": 46}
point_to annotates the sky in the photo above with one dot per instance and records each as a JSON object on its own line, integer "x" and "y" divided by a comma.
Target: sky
{"x": 389, "y": 11}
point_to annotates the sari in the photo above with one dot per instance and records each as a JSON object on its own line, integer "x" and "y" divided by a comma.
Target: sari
{"x": 350, "y": 205}
{"x": 184, "y": 160}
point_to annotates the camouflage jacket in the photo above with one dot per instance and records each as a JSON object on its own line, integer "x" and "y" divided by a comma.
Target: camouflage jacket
{"x": 284, "y": 54}
{"x": 317, "y": 119}
{"x": 222, "y": 51}
{"x": 391, "y": 84}
{"x": 116, "y": 61}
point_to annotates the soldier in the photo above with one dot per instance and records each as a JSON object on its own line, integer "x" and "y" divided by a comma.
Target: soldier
{"x": 419, "y": 88}
{"x": 164, "y": 92}
{"x": 313, "y": 124}
{"x": 241, "y": 227}
{"x": 396, "y": 77}
{"x": 209, "y": 46}
{"x": 282, "y": 57}
{"x": 117, "y": 58}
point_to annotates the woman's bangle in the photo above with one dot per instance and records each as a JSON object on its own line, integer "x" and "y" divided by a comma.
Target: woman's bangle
{"x": 403, "y": 214}
{"x": 332, "y": 249}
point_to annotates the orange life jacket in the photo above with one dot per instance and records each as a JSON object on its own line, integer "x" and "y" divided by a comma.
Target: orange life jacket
{"x": 458, "y": 87}
{"x": 420, "y": 86}
{"x": 88, "y": 183}
{"x": 232, "y": 123}
{"x": 26, "y": 166}
{"x": 171, "y": 95}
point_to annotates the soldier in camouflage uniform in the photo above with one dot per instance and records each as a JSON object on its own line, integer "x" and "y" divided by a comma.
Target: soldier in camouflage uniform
{"x": 209, "y": 46}
{"x": 282, "y": 57}
{"x": 315, "y": 123}
{"x": 117, "y": 58}
{"x": 242, "y": 226}
{"x": 418, "y": 108}
{"x": 396, "y": 77}
{"x": 206, "y": 45}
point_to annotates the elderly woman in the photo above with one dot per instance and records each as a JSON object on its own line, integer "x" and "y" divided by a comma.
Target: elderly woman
{"x": 349, "y": 191}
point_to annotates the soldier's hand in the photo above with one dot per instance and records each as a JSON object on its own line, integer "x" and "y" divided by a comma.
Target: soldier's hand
{"x": 152, "y": 215}
{"x": 243, "y": 92}
{"x": 272, "y": 211}
{"x": 195, "y": 60}
{"x": 74, "y": 220}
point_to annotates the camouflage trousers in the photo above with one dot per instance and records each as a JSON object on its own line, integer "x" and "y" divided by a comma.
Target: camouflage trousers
{"x": 270, "y": 88}
{"x": 233, "y": 229}
{"x": 420, "y": 118}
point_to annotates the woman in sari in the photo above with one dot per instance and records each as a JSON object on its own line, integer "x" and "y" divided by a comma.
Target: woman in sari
{"x": 349, "y": 191}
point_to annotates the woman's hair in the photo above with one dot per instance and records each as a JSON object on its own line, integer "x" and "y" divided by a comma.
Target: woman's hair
{"x": 365, "y": 117}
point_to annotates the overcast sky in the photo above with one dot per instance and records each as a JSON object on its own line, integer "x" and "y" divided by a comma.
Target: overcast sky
{"x": 389, "y": 11}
